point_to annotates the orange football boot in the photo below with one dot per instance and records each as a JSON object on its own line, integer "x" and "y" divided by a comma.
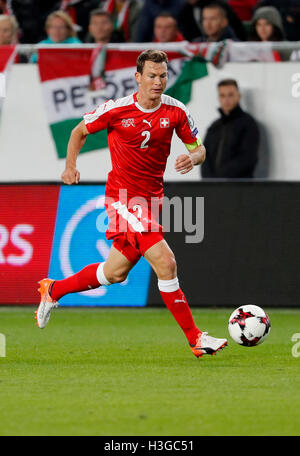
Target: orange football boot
{"x": 207, "y": 345}
{"x": 47, "y": 304}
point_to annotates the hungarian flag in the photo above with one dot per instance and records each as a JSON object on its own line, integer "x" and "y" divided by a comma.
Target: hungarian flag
{"x": 7, "y": 57}
{"x": 76, "y": 81}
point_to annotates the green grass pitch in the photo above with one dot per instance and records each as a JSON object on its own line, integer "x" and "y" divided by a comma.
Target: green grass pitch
{"x": 130, "y": 372}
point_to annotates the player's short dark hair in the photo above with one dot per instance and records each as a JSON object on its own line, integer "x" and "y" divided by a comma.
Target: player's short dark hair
{"x": 151, "y": 55}
{"x": 228, "y": 82}
{"x": 218, "y": 6}
{"x": 100, "y": 12}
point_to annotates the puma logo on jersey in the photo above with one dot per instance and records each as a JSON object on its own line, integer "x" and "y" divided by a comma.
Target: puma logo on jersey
{"x": 149, "y": 123}
{"x": 128, "y": 123}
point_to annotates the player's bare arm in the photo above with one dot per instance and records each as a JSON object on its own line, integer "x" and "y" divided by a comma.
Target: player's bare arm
{"x": 77, "y": 139}
{"x": 186, "y": 162}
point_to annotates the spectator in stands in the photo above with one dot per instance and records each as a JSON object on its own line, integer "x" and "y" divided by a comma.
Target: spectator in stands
{"x": 125, "y": 15}
{"x": 101, "y": 28}
{"x": 215, "y": 24}
{"x": 8, "y": 30}
{"x": 290, "y": 13}
{"x": 267, "y": 25}
{"x": 32, "y": 15}
{"x": 191, "y": 17}
{"x": 232, "y": 140}
{"x": 166, "y": 29}
{"x": 60, "y": 30}
{"x": 150, "y": 10}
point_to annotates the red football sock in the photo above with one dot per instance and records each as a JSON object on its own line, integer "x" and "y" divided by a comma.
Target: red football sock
{"x": 177, "y": 304}
{"x": 86, "y": 279}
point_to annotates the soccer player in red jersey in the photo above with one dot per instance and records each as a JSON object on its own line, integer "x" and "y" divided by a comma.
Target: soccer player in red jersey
{"x": 140, "y": 128}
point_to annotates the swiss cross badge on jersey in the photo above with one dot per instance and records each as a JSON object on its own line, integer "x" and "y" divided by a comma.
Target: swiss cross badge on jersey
{"x": 164, "y": 122}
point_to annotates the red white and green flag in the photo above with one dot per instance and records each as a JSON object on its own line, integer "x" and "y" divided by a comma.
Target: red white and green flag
{"x": 76, "y": 80}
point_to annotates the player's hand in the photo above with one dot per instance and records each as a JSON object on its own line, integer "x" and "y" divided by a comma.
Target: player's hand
{"x": 184, "y": 164}
{"x": 70, "y": 176}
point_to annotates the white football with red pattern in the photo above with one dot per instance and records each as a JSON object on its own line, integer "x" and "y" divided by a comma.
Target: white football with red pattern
{"x": 249, "y": 325}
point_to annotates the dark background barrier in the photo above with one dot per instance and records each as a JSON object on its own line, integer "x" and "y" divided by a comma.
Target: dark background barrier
{"x": 250, "y": 252}
{"x": 251, "y": 247}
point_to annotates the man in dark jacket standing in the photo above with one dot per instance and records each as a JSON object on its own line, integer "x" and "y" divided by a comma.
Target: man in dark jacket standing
{"x": 231, "y": 141}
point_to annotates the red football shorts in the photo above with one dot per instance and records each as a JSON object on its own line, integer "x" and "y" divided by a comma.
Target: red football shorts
{"x": 134, "y": 225}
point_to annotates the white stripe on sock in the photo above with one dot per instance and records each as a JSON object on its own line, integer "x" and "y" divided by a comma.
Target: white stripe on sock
{"x": 168, "y": 286}
{"x": 101, "y": 276}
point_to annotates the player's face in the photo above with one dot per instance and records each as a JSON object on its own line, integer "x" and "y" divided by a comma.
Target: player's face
{"x": 229, "y": 97}
{"x": 152, "y": 82}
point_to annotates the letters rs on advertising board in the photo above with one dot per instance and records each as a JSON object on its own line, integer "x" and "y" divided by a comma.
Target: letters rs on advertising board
{"x": 51, "y": 231}
{"x": 27, "y": 224}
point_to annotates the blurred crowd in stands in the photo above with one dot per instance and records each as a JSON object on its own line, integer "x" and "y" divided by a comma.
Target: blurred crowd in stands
{"x": 118, "y": 21}
{"x": 232, "y": 140}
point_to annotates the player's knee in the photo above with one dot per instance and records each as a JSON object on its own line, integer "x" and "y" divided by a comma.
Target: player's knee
{"x": 167, "y": 267}
{"x": 118, "y": 276}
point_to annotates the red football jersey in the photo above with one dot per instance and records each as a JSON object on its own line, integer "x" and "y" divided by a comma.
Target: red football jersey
{"x": 139, "y": 141}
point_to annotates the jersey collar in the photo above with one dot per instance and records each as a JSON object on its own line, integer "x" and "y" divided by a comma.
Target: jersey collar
{"x": 143, "y": 109}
